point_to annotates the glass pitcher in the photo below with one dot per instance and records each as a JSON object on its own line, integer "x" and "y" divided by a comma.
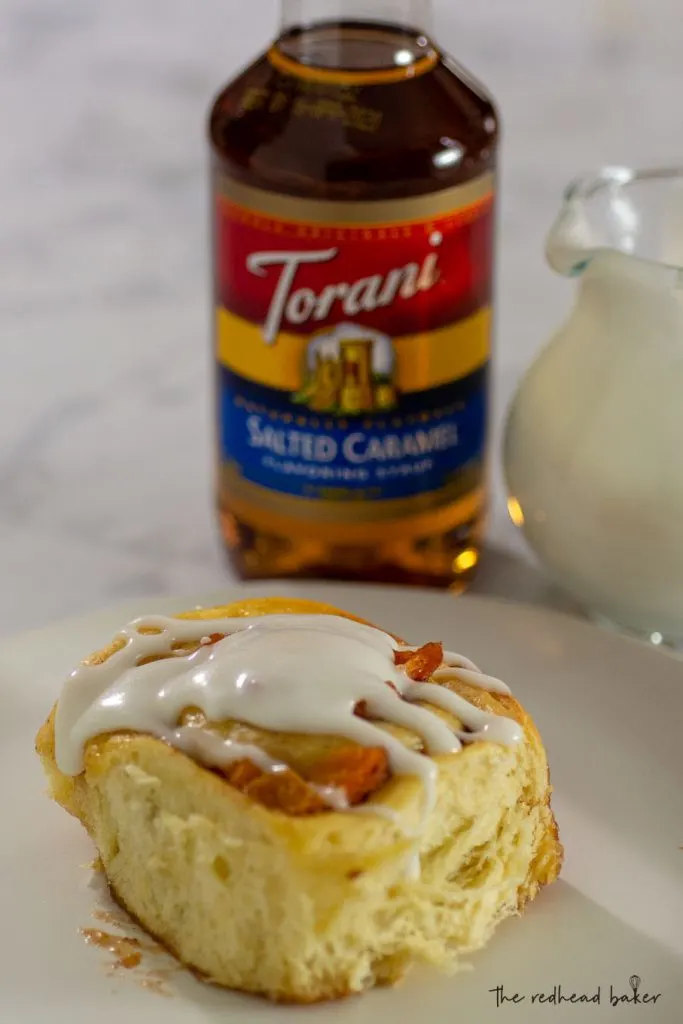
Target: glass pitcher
{"x": 594, "y": 440}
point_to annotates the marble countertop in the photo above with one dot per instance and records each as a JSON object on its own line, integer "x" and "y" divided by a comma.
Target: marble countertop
{"x": 105, "y": 418}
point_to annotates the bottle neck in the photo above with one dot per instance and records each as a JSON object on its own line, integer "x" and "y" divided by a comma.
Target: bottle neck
{"x": 410, "y": 14}
{"x": 355, "y": 38}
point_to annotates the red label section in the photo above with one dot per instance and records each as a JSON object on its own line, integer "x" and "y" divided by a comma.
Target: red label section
{"x": 401, "y": 279}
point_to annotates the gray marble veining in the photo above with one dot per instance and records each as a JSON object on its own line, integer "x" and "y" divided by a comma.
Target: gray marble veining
{"x": 105, "y": 425}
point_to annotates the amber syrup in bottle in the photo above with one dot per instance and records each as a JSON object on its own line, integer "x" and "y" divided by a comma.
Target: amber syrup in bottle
{"x": 353, "y": 204}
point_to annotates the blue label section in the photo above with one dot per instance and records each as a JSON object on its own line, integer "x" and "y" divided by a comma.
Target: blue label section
{"x": 308, "y": 456}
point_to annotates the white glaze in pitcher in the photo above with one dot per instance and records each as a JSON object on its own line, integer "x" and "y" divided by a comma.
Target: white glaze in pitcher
{"x": 594, "y": 445}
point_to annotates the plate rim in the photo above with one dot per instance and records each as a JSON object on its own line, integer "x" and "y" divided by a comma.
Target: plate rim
{"x": 90, "y": 619}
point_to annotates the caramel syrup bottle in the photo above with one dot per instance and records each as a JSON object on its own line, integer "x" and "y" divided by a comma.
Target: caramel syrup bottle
{"x": 353, "y": 221}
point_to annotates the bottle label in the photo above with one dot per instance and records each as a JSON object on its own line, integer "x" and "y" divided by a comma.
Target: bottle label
{"x": 352, "y": 342}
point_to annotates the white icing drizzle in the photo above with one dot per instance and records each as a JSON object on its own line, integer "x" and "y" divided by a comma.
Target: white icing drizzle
{"x": 285, "y": 673}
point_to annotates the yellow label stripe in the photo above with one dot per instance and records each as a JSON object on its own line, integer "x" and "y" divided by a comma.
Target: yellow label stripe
{"x": 464, "y": 201}
{"x": 353, "y": 228}
{"x": 423, "y": 361}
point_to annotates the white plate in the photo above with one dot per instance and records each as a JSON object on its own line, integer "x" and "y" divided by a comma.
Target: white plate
{"x": 611, "y": 715}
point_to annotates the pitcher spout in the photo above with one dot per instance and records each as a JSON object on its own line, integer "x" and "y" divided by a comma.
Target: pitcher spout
{"x": 633, "y": 217}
